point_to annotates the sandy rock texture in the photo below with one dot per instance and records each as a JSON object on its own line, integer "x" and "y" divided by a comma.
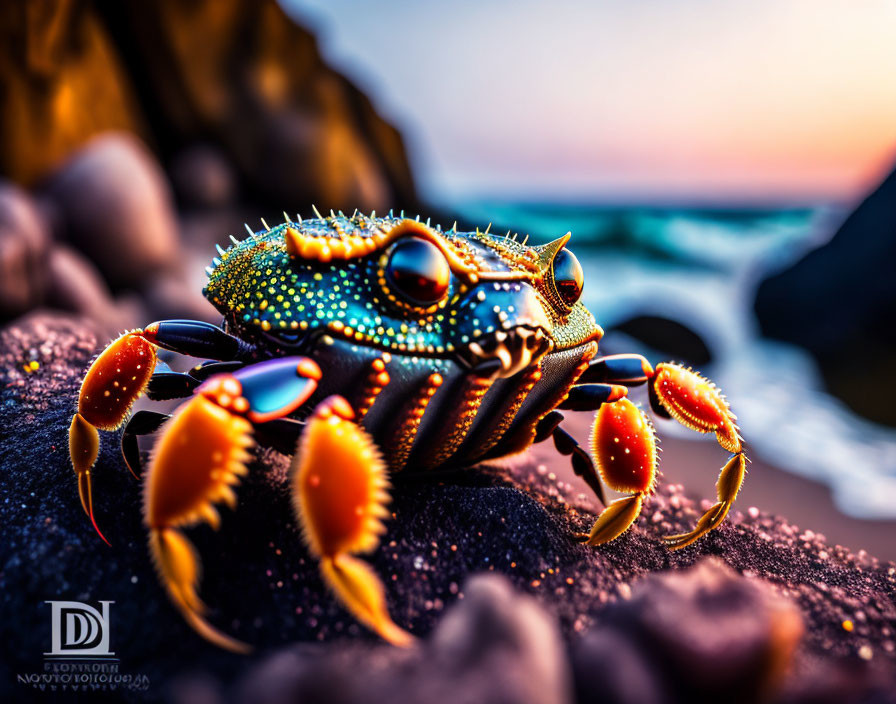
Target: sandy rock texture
{"x": 760, "y": 609}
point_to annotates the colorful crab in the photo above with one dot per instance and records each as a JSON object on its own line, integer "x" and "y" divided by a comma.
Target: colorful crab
{"x": 364, "y": 345}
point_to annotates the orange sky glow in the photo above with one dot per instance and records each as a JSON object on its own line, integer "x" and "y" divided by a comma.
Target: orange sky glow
{"x": 783, "y": 99}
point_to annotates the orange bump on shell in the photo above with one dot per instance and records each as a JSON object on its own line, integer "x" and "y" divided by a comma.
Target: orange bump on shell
{"x": 624, "y": 447}
{"x": 115, "y": 380}
{"x": 340, "y": 483}
{"x": 201, "y": 451}
{"x": 231, "y": 386}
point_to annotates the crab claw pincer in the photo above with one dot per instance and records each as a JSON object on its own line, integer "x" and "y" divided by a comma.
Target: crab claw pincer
{"x": 113, "y": 382}
{"x": 696, "y": 403}
{"x": 624, "y": 447}
{"x": 340, "y": 492}
{"x": 200, "y": 457}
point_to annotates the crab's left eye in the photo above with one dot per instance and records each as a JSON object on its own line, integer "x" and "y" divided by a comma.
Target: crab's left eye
{"x": 568, "y": 277}
{"x": 418, "y": 270}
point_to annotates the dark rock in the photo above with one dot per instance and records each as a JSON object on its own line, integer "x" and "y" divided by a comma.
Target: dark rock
{"x": 115, "y": 206}
{"x": 24, "y": 243}
{"x": 262, "y": 586}
{"x": 203, "y": 178}
{"x": 668, "y": 337}
{"x": 296, "y": 130}
{"x": 706, "y": 634}
{"x": 256, "y": 89}
{"x": 63, "y": 83}
{"x": 613, "y": 669}
{"x": 839, "y": 302}
{"x": 494, "y": 646}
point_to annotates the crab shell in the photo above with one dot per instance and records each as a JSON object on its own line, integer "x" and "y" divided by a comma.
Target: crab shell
{"x": 446, "y": 383}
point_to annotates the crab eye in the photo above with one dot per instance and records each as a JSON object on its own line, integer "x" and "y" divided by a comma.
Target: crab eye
{"x": 568, "y": 277}
{"x": 418, "y": 270}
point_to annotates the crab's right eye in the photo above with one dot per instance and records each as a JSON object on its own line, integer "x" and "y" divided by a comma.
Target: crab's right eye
{"x": 418, "y": 271}
{"x": 568, "y": 277}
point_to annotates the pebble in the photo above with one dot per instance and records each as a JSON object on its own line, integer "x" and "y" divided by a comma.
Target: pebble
{"x": 115, "y": 207}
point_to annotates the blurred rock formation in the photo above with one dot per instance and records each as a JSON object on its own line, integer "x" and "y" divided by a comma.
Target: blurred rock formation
{"x": 137, "y": 127}
{"x": 839, "y": 302}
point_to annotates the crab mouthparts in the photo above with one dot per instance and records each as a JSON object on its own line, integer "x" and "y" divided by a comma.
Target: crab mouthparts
{"x": 506, "y": 353}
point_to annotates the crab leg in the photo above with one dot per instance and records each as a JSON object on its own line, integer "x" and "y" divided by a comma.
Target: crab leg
{"x": 696, "y": 403}
{"x": 582, "y": 465}
{"x": 141, "y": 423}
{"x": 114, "y": 381}
{"x": 121, "y": 374}
{"x": 200, "y": 457}
{"x": 625, "y": 448}
{"x": 340, "y": 495}
{"x": 625, "y": 369}
{"x": 166, "y": 384}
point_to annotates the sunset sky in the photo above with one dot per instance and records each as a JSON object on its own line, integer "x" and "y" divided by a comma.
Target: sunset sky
{"x": 638, "y": 100}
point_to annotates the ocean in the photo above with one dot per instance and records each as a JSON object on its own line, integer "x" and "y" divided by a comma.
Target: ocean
{"x": 701, "y": 267}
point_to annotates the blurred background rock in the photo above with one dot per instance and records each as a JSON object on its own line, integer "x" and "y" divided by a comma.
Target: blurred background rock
{"x": 135, "y": 135}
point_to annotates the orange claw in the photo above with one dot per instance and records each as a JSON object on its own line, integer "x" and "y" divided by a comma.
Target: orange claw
{"x": 113, "y": 382}
{"x": 696, "y": 403}
{"x": 624, "y": 447}
{"x": 198, "y": 459}
{"x": 116, "y": 379}
{"x": 340, "y": 495}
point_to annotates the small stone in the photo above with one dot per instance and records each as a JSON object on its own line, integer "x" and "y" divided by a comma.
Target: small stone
{"x": 203, "y": 178}
{"x": 115, "y": 207}
{"x": 24, "y": 244}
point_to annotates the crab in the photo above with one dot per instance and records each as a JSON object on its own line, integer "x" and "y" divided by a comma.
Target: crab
{"x": 366, "y": 346}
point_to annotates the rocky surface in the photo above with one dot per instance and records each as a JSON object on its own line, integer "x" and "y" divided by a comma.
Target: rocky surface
{"x": 839, "y": 302}
{"x": 623, "y": 630}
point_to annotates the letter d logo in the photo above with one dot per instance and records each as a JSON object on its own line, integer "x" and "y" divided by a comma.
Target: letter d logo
{"x": 79, "y": 629}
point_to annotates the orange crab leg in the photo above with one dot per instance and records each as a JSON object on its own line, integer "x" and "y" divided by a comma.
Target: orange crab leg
{"x": 696, "y": 403}
{"x": 199, "y": 459}
{"x": 122, "y": 373}
{"x": 624, "y": 447}
{"x": 340, "y": 495}
{"x": 113, "y": 382}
